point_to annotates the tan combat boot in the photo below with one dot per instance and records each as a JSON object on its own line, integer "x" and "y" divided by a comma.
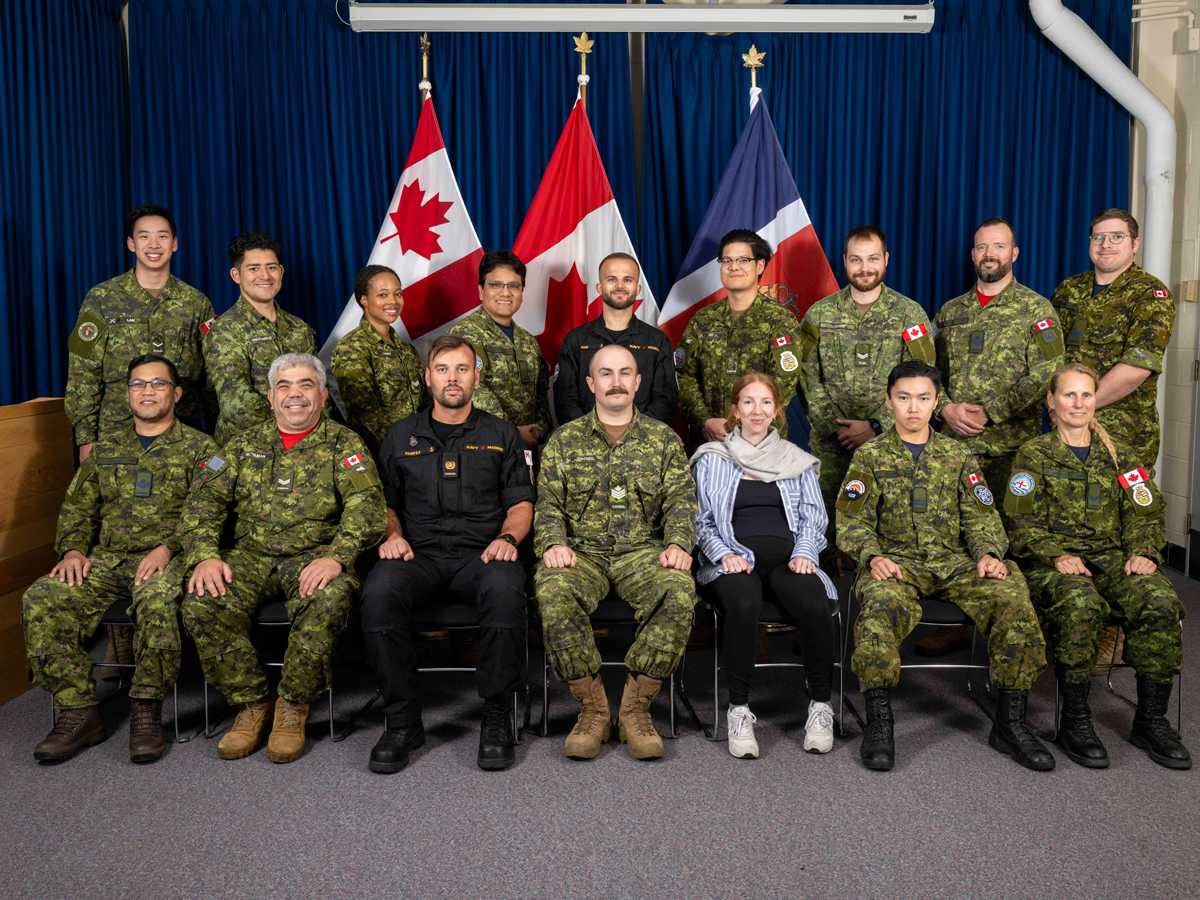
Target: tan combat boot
{"x": 1111, "y": 650}
{"x": 287, "y": 736}
{"x": 594, "y": 725}
{"x": 634, "y": 726}
{"x": 120, "y": 650}
{"x": 247, "y": 731}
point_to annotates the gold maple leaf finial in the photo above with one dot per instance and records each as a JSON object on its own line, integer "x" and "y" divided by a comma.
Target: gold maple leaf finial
{"x": 753, "y": 59}
{"x": 582, "y": 44}
{"x": 425, "y": 43}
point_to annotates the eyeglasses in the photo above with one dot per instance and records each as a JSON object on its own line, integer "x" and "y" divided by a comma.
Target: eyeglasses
{"x": 1115, "y": 236}
{"x": 513, "y": 286}
{"x": 158, "y": 384}
{"x": 741, "y": 262}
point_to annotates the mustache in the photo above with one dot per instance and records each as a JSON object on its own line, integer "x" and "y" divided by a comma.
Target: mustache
{"x": 615, "y": 390}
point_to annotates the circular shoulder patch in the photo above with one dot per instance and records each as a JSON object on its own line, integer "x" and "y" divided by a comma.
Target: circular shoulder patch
{"x": 680, "y": 358}
{"x": 88, "y": 331}
{"x": 788, "y": 361}
{"x": 984, "y": 495}
{"x": 1142, "y": 495}
{"x": 478, "y": 363}
{"x": 854, "y": 489}
{"x": 554, "y": 377}
{"x": 1020, "y": 484}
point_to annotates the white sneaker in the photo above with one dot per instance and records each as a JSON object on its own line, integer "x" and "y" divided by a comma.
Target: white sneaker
{"x": 740, "y": 723}
{"x": 818, "y": 730}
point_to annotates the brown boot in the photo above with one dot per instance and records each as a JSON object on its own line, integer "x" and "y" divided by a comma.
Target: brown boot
{"x": 945, "y": 639}
{"x": 287, "y": 735}
{"x": 74, "y": 730}
{"x": 1109, "y": 645}
{"x": 119, "y": 650}
{"x": 248, "y": 729}
{"x": 146, "y": 741}
{"x": 594, "y": 725}
{"x": 634, "y": 726}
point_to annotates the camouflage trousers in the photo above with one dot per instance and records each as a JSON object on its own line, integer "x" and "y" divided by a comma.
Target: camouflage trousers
{"x": 1075, "y": 609}
{"x": 220, "y": 626}
{"x": 58, "y": 619}
{"x": 835, "y": 462}
{"x": 662, "y": 600}
{"x": 889, "y": 611}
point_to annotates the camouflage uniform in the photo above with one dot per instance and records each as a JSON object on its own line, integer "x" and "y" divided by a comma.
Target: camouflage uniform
{"x": 514, "y": 382}
{"x": 1128, "y": 322}
{"x": 1000, "y": 356}
{"x": 239, "y": 350}
{"x": 123, "y": 503}
{"x": 380, "y": 381}
{"x": 714, "y": 352}
{"x": 847, "y": 359}
{"x": 1059, "y": 506}
{"x": 120, "y": 320}
{"x": 322, "y": 498}
{"x": 936, "y": 520}
{"x": 618, "y": 507}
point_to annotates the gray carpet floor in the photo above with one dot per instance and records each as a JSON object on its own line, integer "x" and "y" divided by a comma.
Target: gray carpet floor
{"x": 953, "y": 820}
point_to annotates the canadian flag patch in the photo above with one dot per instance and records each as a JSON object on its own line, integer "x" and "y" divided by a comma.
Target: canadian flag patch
{"x": 352, "y": 460}
{"x": 205, "y": 326}
{"x": 1129, "y": 479}
{"x": 1043, "y": 325}
{"x": 782, "y": 341}
{"x": 911, "y": 334}
{"x": 974, "y": 478}
{"x": 1160, "y": 293}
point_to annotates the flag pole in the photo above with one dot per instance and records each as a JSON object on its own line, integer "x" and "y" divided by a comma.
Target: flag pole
{"x": 753, "y": 61}
{"x": 425, "y": 86}
{"x": 583, "y": 47}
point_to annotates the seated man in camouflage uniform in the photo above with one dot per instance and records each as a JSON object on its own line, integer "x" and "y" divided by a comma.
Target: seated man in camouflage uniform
{"x": 616, "y": 508}
{"x": 917, "y": 516}
{"x": 307, "y": 502}
{"x": 119, "y": 537}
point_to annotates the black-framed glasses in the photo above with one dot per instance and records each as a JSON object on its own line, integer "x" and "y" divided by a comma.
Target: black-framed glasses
{"x": 513, "y": 286}
{"x": 158, "y": 384}
{"x": 1115, "y": 237}
{"x": 743, "y": 262}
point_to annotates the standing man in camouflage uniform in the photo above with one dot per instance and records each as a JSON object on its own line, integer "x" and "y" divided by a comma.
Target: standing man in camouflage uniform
{"x": 379, "y": 376}
{"x": 240, "y": 346}
{"x": 850, "y": 341}
{"x": 616, "y": 509}
{"x": 146, "y": 310}
{"x": 307, "y": 503}
{"x": 747, "y": 331}
{"x": 119, "y": 539}
{"x": 997, "y": 345}
{"x": 514, "y": 383}
{"x": 920, "y": 521}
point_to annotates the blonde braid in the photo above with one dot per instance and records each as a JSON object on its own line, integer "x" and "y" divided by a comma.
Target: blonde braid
{"x": 1101, "y": 432}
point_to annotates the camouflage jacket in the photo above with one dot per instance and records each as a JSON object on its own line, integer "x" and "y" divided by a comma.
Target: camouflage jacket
{"x": 1001, "y": 356}
{"x": 937, "y": 514}
{"x": 714, "y": 352}
{"x": 321, "y": 498}
{"x": 118, "y": 321}
{"x": 128, "y": 500}
{"x": 514, "y": 381}
{"x": 606, "y": 500}
{"x": 1058, "y": 506}
{"x": 239, "y": 349}
{"x": 380, "y": 381}
{"x": 847, "y": 359}
{"x": 1128, "y": 322}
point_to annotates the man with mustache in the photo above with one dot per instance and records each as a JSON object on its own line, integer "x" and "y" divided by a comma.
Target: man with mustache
{"x": 459, "y": 500}
{"x": 306, "y": 503}
{"x": 996, "y": 346}
{"x": 657, "y": 395}
{"x": 616, "y": 509}
{"x": 849, "y": 343}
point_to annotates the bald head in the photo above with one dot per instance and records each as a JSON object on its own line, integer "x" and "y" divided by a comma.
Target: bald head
{"x": 613, "y": 377}
{"x": 613, "y": 356}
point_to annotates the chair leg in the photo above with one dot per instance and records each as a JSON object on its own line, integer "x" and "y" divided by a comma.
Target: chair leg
{"x": 332, "y": 734}
{"x": 545, "y": 692}
{"x": 716, "y": 729}
{"x": 671, "y": 693}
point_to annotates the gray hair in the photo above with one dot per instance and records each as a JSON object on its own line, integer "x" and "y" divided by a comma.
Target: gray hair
{"x": 289, "y": 360}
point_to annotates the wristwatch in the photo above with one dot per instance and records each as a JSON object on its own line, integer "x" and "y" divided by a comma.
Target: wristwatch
{"x": 875, "y": 426}
{"x": 508, "y": 537}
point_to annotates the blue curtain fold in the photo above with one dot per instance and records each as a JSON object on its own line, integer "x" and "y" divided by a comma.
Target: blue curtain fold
{"x": 64, "y": 179}
{"x": 273, "y": 114}
{"x": 921, "y": 135}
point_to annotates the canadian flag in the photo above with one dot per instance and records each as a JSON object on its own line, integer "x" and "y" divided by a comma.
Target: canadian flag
{"x": 572, "y": 224}
{"x": 973, "y": 478}
{"x": 1137, "y": 476}
{"x": 352, "y": 460}
{"x": 1043, "y": 325}
{"x": 911, "y": 334}
{"x": 427, "y": 238}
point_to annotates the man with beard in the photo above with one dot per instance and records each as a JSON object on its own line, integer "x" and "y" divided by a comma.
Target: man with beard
{"x": 849, "y": 342}
{"x": 306, "y": 503}
{"x": 619, "y": 288}
{"x": 120, "y": 538}
{"x": 459, "y": 501}
{"x": 996, "y": 346}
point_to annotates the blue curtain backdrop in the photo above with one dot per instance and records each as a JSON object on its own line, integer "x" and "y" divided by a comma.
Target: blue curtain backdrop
{"x": 922, "y": 135}
{"x": 63, "y": 179}
{"x": 272, "y": 114}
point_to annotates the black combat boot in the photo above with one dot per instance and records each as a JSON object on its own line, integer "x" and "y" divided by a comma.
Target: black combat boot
{"x": 1076, "y": 735}
{"x": 390, "y": 753}
{"x": 496, "y": 740}
{"x": 1011, "y": 734}
{"x": 878, "y": 747}
{"x": 1151, "y": 730}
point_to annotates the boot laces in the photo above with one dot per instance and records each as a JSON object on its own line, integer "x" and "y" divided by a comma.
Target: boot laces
{"x": 142, "y": 719}
{"x": 289, "y": 716}
{"x": 879, "y": 721}
{"x": 68, "y": 721}
{"x": 246, "y": 716}
{"x": 495, "y": 718}
{"x": 1161, "y": 729}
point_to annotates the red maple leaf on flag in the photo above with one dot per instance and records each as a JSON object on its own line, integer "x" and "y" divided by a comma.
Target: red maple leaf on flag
{"x": 566, "y": 305}
{"x": 415, "y": 218}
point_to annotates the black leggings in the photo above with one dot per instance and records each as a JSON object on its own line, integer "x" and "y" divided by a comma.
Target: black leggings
{"x": 740, "y": 597}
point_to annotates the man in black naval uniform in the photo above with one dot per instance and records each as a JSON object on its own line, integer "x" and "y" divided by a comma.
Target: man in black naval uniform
{"x": 658, "y": 394}
{"x": 460, "y": 495}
